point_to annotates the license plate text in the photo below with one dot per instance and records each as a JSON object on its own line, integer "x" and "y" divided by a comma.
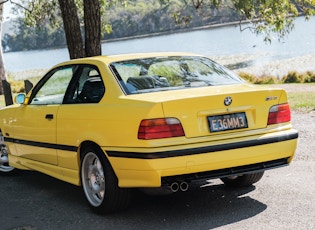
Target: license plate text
{"x": 227, "y": 122}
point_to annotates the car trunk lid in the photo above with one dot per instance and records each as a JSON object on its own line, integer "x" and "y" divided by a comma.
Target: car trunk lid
{"x": 221, "y": 109}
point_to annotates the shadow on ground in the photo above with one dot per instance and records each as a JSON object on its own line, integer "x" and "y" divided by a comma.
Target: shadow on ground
{"x": 36, "y": 201}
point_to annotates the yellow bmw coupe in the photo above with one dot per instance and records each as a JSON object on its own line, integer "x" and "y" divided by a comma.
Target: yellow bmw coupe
{"x": 158, "y": 121}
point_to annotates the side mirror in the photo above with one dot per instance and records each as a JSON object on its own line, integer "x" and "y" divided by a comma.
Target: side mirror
{"x": 20, "y": 98}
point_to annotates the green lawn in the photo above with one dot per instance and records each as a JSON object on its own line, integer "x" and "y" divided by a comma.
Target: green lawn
{"x": 302, "y": 101}
{"x": 299, "y": 101}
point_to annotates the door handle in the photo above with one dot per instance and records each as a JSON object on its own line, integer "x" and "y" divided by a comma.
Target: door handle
{"x": 49, "y": 116}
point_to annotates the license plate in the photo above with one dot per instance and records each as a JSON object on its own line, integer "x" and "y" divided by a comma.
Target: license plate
{"x": 227, "y": 122}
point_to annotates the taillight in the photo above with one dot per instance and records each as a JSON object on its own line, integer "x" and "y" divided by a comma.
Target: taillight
{"x": 279, "y": 114}
{"x": 160, "y": 128}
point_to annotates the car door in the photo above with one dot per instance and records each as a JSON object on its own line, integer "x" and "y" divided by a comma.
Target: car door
{"x": 79, "y": 115}
{"x": 35, "y": 122}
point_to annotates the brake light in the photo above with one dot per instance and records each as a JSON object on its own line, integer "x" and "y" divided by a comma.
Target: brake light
{"x": 160, "y": 128}
{"x": 279, "y": 114}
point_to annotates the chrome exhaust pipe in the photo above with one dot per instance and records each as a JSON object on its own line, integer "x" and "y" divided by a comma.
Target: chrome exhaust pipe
{"x": 174, "y": 187}
{"x": 183, "y": 186}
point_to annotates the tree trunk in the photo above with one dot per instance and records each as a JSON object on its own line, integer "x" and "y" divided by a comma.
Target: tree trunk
{"x": 72, "y": 28}
{"x": 3, "y": 74}
{"x": 92, "y": 23}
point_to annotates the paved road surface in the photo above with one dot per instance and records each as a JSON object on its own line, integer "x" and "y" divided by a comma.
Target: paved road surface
{"x": 283, "y": 199}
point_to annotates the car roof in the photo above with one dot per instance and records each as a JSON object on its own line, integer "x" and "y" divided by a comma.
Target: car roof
{"x": 107, "y": 59}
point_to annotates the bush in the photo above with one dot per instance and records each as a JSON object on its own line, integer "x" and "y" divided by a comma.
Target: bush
{"x": 266, "y": 80}
{"x": 247, "y": 77}
{"x": 310, "y": 77}
{"x": 17, "y": 86}
{"x": 258, "y": 80}
{"x": 293, "y": 77}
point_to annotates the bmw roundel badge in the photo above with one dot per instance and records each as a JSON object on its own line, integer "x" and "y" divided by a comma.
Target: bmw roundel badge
{"x": 227, "y": 101}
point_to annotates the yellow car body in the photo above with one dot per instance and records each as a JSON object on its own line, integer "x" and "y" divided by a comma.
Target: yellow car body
{"x": 49, "y": 137}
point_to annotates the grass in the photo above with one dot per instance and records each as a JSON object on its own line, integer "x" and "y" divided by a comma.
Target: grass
{"x": 302, "y": 101}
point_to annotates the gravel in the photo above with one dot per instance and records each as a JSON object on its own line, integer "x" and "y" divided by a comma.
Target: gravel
{"x": 305, "y": 124}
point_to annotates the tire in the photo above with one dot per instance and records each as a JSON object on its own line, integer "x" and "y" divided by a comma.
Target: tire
{"x": 100, "y": 184}
{"x": 4, "y": 162}
{"x": 242, "y": 181}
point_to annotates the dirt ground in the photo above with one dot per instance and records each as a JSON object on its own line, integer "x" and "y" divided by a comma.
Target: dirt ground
{"x": 296, "y": 87}
{"x": 304, "y": 122}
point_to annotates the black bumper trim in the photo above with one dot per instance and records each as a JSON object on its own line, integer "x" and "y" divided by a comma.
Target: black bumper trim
{"x": 201, "y": 150}
{"x": 234, "y": 171}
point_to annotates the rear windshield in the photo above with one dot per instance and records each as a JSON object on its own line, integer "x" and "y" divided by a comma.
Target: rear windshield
{"x": 170, "y": 73}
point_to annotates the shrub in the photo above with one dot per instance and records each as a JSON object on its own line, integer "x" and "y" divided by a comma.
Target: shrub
{"x": 293, "y": 77}
{"x": 17, "y": 86}
{"x": 311, "y": 77}
{"x": 247, "y": 77}
{"x": 266, "y": 80}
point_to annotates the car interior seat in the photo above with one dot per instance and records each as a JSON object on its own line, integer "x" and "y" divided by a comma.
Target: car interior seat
{"x": 92, "y": 90}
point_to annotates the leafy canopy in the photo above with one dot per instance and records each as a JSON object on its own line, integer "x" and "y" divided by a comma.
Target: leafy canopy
{"x": 270, "y": 17}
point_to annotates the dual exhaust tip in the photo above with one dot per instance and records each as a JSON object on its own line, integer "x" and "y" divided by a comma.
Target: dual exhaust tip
{"x": 179, "y": 186}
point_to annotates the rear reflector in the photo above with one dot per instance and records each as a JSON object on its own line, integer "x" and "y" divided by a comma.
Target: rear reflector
{"x": 279, "y": 114}
{"x": 160, "y": 128}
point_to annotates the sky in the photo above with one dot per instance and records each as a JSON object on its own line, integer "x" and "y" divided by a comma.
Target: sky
{"x": 6, "y": 11}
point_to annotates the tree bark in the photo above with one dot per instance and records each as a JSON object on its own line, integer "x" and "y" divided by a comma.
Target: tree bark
{"x": 92, "y": 25}
{"x": 72, "y": 28}
{"x": 3, "y": 74}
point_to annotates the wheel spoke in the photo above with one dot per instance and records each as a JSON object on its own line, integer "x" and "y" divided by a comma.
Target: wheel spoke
{"x": 93, "y": 179}
{"x": 4, "y": 162}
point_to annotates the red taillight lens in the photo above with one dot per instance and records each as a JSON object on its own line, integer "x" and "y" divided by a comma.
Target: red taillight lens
{"x": 160, "y": 128}
{"x": 279, "y": 114}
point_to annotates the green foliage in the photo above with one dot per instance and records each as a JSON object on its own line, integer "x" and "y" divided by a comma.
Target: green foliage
{"x": 124, "y": 18}
{"x": 308, "y": 77}
{"x": 273, "y": 17}
{"x": 17, "y": 86}
{"x": 28, "y": 38}
{"x": 258, "y": 80}
{"x": 119, "y": 19}
{"x": 266, "y": 80}
{"x": 291, "y": 77}
{"x": 39, "y": 11}
{"x": 247, "y": 77}
{"x": 150, "y": 16}
{"x": 302, "y": 101}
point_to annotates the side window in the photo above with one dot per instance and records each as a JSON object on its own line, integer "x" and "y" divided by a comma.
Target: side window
{"x": 87, "y": 87}
{"x": 53, "y": 90}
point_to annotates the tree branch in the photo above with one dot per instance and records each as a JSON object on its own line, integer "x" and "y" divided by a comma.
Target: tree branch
{"x": 2, "y": 2}
{"x": 19, "y": 5}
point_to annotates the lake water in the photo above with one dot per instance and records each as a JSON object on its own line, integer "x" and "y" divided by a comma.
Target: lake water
{"x": 214, "y": 42}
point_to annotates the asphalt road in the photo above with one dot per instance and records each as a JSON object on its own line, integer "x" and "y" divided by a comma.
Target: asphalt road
{"x": 283, "y": 199}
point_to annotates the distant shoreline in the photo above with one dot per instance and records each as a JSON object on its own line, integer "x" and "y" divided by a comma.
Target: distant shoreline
{"x": 214, "y": 26}
{"x": 239, "y": 51}
{"x": 185, "y": 30}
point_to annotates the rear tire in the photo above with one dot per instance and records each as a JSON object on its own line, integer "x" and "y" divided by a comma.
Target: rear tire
{"x": 243, "y": 181}
{"x": 100, "y": 184}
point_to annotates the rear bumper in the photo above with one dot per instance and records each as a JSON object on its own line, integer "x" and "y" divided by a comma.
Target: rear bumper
{"x": 152, "y": 167}
{"x": 227, "y": 172}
